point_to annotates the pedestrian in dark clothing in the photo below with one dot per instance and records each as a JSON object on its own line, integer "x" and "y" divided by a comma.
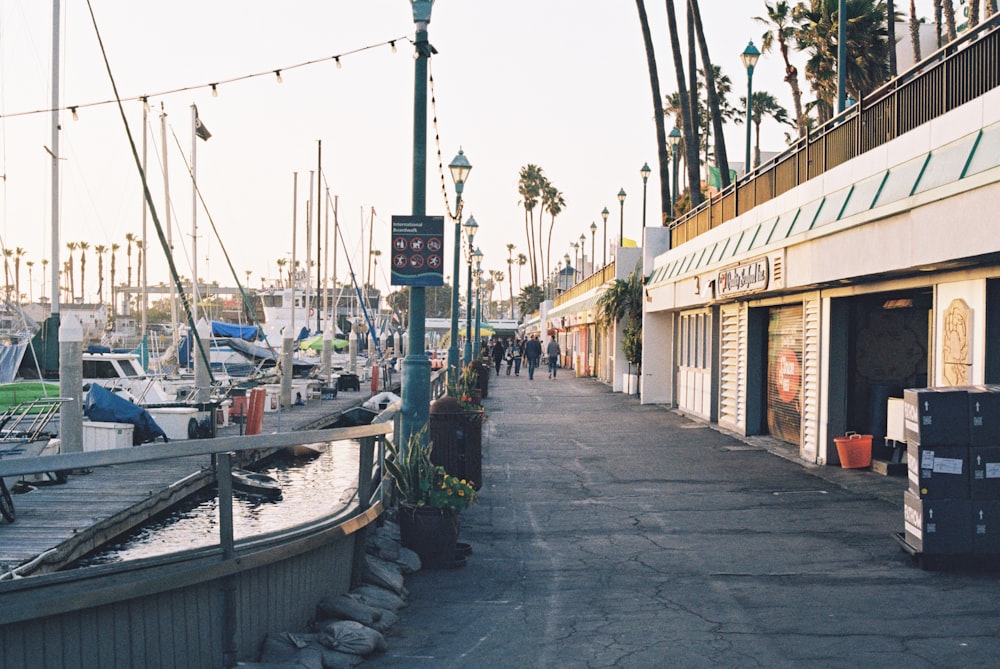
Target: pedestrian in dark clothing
{"x": 532, "y": 353}
{"x": 498, "y": 352}
{"x": 553, "y": 351}
{"x": 514, "y": 354}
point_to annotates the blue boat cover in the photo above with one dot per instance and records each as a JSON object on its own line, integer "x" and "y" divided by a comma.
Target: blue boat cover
{"x": 269, "y": 358}
{"x": 247, "y": 332}
{"x": 102, "y": 405}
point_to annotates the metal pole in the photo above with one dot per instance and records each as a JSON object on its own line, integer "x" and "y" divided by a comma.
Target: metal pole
{"x": 621, "y": 223}
{"x": 479, "y": 318}
{"x": 416, "y": 367}
{"x": 467, "y": 350}
{"x": 748, "y": 167}
{"x": 319, "y": 226}
{"x": 673, "y": 192}
{"x": 841, "y": 56}
{"x": 453, "y": 348}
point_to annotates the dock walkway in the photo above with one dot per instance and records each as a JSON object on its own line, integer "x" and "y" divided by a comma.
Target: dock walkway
{"x": 57, "y": 524}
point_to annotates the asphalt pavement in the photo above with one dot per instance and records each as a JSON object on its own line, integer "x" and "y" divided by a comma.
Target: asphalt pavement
{"x": 612, "y": 534}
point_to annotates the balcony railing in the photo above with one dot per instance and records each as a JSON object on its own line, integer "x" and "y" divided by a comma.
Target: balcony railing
{"x": 952, "y": 76}
{"x": 598, "y": 278}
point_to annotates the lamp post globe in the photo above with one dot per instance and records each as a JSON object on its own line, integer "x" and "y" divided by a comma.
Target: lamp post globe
{"x": 604, "y": 215}
{"x": 749, "y": 57}
{"x": 459, "y": 168}
{"x": 471, "y": 227}
{"x": 621, "y": 219}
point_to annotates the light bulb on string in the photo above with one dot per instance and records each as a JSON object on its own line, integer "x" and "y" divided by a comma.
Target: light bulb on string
{"x": 393, "y": 45}
{"x": 215, "y": 91}
{"x": 337, "y": 60}
{"x": 145, "y": 103}
{"x": 277, "y": 76}
{"x": 73, "y": 111}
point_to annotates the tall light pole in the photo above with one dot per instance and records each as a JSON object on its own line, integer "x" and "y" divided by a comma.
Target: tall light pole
{"x": 470, "y": 233}
{"x": 460, "y": 169}
{"x": 583, "y": 254}
{"x": 621, "y": 218}
{"x": 593, "y": 247}
{"x": 674, "y": 140}
{"x": 604, "y": 215}
{"x": 477, "y": 257}
{"x": 416, "y": 376}
{"x": 645, "y": 177}
{"x": 749, "y": 58}
{"x": 576, "y": 260}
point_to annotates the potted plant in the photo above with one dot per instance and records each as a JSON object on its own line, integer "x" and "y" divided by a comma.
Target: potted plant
{"x": 431, "y": 502}
{"x": 456, "y": 429}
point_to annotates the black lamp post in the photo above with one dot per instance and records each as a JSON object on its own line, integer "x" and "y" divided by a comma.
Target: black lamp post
{"x": 621, "y": 218}
{"x": 470, "y": 232}
{"x": 749, "y": 58}
{"x": 460, "y": 169}
{"x": 674, "y": 140}
{"x": 576, "y": 260}
{"x": 645, "y": 177}
{"x": 583, "y": 253}
{"x": 604, "y": 215}
{"x": 477, "y": 257}
{"x": 593, "y": 255}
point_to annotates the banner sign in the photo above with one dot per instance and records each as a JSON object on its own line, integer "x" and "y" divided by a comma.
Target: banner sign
{"x": 417, "y": 251}
{"x": 743, "y": 278}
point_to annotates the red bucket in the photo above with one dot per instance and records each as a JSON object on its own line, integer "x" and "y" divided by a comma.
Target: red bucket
{"x": 855, "y": 450}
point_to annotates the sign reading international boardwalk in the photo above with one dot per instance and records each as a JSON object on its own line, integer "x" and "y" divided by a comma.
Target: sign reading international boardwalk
{"x": 743, "y": 278}
{"x": 417, "y": 251}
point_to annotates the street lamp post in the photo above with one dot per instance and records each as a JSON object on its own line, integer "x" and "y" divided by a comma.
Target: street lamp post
{"x": 645, "y": 177}
{"x": 477, "y": 257}
{"x": 621, "y": 218}
{"x": 583, "y": 254}
{"x": 460, "y": 169}
{"x": 470, "y": 233}
{"x": 416, "y": 376}
{"x": 674, "y": 140}
{"x": 576, "y": 260}
{"x": 749, "y": 58}
{"x": 604, "y": 215}
{"x": 593, "y": 247}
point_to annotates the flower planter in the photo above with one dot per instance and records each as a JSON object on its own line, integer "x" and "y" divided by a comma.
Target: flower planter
{"x": 456, "y": 435}
{"x": 432, "y": 534}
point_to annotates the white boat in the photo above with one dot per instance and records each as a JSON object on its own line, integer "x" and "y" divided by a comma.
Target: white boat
{"x": 256, "y": 484}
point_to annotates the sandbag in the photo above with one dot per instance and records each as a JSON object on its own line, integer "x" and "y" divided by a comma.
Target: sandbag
{"x": 376, "y": 596}
{"x": 349, "y": 636}
{"x": 334, "y": 659}
{"x": 408, "y": 561}
{"x": 383, "y": 574}
{"x": 344, "y": 607}
{"x": 284, "y": 646}
{"x": 386, "y": 621}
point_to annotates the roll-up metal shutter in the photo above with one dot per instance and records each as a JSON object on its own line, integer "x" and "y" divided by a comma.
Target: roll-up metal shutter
{"x": 784, "y": 373}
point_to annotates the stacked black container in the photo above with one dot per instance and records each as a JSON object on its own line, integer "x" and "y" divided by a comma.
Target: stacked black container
{"x": 952, "y": 506}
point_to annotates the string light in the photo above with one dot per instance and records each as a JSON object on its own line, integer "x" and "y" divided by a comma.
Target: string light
{"x": 277, "y": 76}
{"x": 145, "y": 102}
{"x": 215, "y": 85}
{"x": 75, "y": 117}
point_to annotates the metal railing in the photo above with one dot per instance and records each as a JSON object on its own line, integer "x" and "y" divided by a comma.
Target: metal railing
{"x": 598, "y": 278}
{"x": 948, "y": 78}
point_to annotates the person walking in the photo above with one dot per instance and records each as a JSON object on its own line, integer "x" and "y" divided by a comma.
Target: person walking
{"x": 553, "y": 351}
{"x": 516, "y": 353}
{"x": 533, "y": 354}
{"x": 498, "y": 352}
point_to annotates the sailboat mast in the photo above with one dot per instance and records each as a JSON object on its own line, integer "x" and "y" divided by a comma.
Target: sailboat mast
{"x": 56, "y": 265}
{"x": 145, "y": 207}
{"x": 194, "y": 211}
{"x": 319, "y": 224}
{"x": 174, "y": 318}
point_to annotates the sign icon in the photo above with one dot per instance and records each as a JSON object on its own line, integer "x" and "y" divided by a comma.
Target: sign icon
{"x": 417, "y": 251}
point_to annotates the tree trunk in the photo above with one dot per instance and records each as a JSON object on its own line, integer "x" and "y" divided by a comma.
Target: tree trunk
{"x": 686, "y": 120}
{"x": 890, "y": 24}
{"x": 949, "y": 19}
{"x": 693, "y": 100}
{"x": 915, "y": 32}
{"x": 661, "y": 130}
{"x": 938, "y": 8}
{"x": 721, "y": 158}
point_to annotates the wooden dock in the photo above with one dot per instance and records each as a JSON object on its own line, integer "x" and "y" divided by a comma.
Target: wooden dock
{"x": 57, "y": 524}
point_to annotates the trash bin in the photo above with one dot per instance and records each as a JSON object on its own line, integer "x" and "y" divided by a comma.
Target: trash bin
{"x": 854, "y": 450}
{"x": 482, "y": 377}
{"x": 456, "y": 436}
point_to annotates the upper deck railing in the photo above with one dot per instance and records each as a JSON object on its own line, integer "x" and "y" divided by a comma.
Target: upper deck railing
{"x": 598, "y": 278}
{"x": 950, "y": 77}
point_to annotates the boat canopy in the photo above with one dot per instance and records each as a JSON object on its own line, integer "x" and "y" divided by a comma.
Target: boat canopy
{"x": 234, "y": 331}
{"x": 104, "y": 406}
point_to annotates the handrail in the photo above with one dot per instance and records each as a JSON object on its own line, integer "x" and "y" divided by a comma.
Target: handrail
{"x": 953, "y": 75}
{"x": 598, "y": 278}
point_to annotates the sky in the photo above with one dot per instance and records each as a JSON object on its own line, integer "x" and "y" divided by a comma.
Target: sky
{"x": 558, "y": 83}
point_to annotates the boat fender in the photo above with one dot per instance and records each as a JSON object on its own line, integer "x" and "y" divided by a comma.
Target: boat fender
{"x": 192, "y": 429}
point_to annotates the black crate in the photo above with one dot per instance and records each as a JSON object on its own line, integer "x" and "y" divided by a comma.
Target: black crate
{"x": 936, "y": 416}
{"x": 938, "y": 526}
{"x": 984, "y": 470}
{"x": 986, "y": 527}
{"x": 984, "y": 416}
{"x": 938, "y": 472}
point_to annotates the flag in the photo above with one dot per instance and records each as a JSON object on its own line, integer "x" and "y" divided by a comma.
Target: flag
{"x": 715, "y": 176}
{"x": 199, "y": 128}
{"x": 628, "y": 243}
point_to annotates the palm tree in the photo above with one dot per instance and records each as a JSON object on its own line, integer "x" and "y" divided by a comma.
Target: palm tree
{"x": 529, "y": 188}
{"x": 281, "y": 271}
{"x": 661, "y": 130}
{"x": 130, "y": 239}
{"x": 764, "y": 105}
{"x": 890, "y": 33}
{"x": 496, "y": 280}
{"x": 623, "y": 301}
{"x": 553, "y": 203}
{"x": 938, "y": 10}
{"x": 973, "y": 13}
{"x": 949, "y": 19}
{"x": 530, "y": 298}
{"x": 721, "y": 158}
{"x": 780, "y": 16}
{"x": 83, "y": 269}
{"x": 114, "y": 254}
{"x": 31, "y": 266}
{"x": 688, "y": 125}
{"x": 18, "y": 254}
{"x": 522, "y": 260}
{"x": 915, "y": 32}
{"x": 866, "y": 49}
{"x": 72, "y": 246}
{"x": 510, "y": 276}
{"x": 100, "y": 250}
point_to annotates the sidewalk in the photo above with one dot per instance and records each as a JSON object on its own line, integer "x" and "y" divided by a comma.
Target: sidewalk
{"x": 610, "y": 534}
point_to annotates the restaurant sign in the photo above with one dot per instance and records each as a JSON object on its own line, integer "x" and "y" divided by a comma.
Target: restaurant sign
{"x": 746, "y": 277}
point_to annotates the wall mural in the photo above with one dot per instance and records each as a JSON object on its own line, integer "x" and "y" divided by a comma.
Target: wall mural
{"x": 956, "y": 343}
